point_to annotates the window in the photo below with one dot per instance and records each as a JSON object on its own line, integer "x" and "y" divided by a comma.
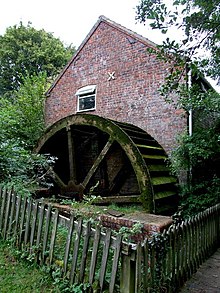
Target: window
{"x": 86, "y": 98}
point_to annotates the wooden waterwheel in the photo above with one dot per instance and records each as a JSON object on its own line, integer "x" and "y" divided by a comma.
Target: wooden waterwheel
{"x": 125, "y": 161}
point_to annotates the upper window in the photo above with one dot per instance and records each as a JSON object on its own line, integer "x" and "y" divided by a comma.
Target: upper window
{"x": 86, "y": 98}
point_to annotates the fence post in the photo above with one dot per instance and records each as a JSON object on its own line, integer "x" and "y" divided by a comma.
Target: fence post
{"x": 218, "y": 222}
{"x": 127, "y": 282}
{"x": 138, "y": 266}
{"x": 7, "y": 212}
{"x": 2, "y": 212}
{"x": 22, "y": 221}
{"x": 12, "y": 216}
{"x": 53, "y": 236}
{"x": 115, "y": 262}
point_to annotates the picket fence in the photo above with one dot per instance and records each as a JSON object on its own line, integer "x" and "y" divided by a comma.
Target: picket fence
{"x": 167, "y": 261}
{"x": 88, "y": 255}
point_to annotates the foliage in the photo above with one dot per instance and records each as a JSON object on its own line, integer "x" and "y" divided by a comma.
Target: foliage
{"x": 19, "y": 276}
{"x": 199, "y": 22}
{"x": 159, "y": 244}
{"x": 198, "y": 155}
{"x": 22, "y": 169}
{"x": 200, "y": 196}
{"x": 23, "y": 115}
{"x": 28, "y": 59}
{"x": 129, "y": 233}
{"x": 25, "y": 50}
{"x": 195, "y": 150}
{"x": 184, "y": 86}
{"x": 64, "y": 285}
{"x": 194, "y": 98}
{"x": 21, "y": 124}
{"x": 90, "y": 197}
{"x": 23, "y": 274}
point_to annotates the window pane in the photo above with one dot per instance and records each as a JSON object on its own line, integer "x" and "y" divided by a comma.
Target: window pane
{"x": 86, "y": 103}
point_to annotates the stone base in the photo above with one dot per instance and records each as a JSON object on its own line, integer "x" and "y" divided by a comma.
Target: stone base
{"x": 151, "y": 224}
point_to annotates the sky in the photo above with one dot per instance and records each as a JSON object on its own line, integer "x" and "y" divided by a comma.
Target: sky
{"x": 72, "y": 20}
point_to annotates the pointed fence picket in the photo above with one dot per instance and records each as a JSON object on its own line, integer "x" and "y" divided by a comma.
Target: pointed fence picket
{"x": 85, "y": 254}
{"x": 168, "y": 263}
{"x": 81, "y": 252}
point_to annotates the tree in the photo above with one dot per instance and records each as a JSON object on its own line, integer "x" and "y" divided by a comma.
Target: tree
{"x": 23, "y": 116}
{"x": 21, "y": 125}
{"x": 25, "y": 50}
{"x": 198, "y": 19}
{"x": 28, "y": 60}
{"x": 199, "y": 152}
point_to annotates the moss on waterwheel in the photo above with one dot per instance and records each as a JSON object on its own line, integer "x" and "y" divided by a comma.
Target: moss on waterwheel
{"x": 126, "y": 161}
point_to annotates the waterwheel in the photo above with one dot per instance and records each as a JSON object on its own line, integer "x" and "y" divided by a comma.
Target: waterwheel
{"x": 123, "y": 161}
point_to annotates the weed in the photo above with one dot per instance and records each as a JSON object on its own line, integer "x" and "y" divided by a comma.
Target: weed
{"x": 16, "y": 275}
{"x": 129, "y": 233}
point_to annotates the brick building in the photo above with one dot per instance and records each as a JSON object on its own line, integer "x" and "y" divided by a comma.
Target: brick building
{"x": 114, "y": 70}
{"x": 107, "y": 122}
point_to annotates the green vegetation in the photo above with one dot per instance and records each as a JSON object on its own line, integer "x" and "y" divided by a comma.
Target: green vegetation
{"x": 29, "y": 59}
{"x": 131, "y": 208}
{"x": 88, "y": 207}
{"x": 198, "y": 154}
{"x": 21, "y": 124}
{"x": 27, "y": 51}
{"x": 19, "y": 276}
{"x": 91, "y": 210}
{"x": 20, "y": 273}
{"x": 198, "y": 20}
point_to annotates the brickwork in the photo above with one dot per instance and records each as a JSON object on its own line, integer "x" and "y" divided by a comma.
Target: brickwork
{"x": 132, "y": 96}
{"x": 151, "y": 224}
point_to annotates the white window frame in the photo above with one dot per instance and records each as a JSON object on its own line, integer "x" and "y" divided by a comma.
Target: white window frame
{"x": 86, "y": 92}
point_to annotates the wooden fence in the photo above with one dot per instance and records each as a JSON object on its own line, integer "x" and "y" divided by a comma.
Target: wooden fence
{"x": 90, "y": 256}
{"x": 165, "y": 262}
{"x": 81, "y": 253}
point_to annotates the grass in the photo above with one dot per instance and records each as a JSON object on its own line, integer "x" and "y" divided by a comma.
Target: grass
{"x": 87, "y": 208}
{"x": 127, "y": 209}
{"x": 17, "y": 276}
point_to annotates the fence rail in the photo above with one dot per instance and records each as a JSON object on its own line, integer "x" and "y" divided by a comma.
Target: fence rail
{"x": 165, "y": 262}
{"x": 83, "y": 254}
{"x": 87, "y": 255}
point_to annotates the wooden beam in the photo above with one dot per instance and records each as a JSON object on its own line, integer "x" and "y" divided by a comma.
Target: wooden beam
{"x": 119, "y": 199}
{"x": 97, "y": 162}
{"x": 120, "y": 178}
{"x": 72, "y": 160}
{"x": 56, "y": 178}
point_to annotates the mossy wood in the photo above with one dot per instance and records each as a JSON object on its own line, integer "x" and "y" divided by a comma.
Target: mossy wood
{"x": 126, "y": 161}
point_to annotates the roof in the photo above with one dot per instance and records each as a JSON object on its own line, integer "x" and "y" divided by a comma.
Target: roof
{"x": 113, "y": 24}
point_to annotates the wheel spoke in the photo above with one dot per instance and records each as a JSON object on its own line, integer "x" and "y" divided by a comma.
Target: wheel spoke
{"x": 56, "y": 178}
{"x": 71, "y": 150}
{"x": 97, "y": 162}
{"x": 119, "y": 179}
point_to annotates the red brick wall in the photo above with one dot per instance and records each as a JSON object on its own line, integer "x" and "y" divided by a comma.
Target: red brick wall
{"x": 131, "y": 97}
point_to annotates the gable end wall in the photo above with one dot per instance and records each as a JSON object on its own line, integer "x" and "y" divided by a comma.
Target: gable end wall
{"x": 131, "y": 97}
